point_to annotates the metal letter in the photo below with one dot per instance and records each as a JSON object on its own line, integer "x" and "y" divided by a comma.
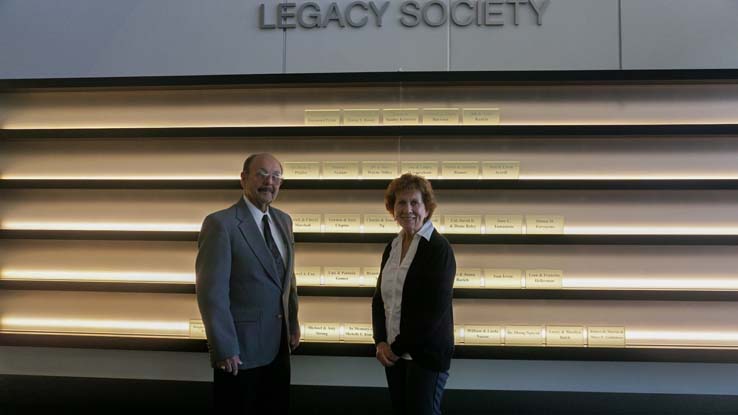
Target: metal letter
{"x": 488, "y": 21}
{"x": 379, "y": 13}
{"x": 283, "y": 13}
{"x": 539, "y": 9}
{"x": 347, "y": 12}
{"x": 515, "y": 4}
{"x": 455, "y": 6}
{"x": 263, "y": 25}
{"x": 444, "y": 13}
{"x": 333, "y": 15}
{"x": 314, "y": 16}
{"x": 405, "y": 9}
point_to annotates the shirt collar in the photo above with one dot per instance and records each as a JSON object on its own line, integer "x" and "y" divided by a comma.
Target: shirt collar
{"x": 255, "y": 211}
{"x": 426, "y": 230}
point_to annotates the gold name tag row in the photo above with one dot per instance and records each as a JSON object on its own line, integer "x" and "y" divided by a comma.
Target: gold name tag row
{"x": 503, "y": 224}
{"x": 337, "y": 276}
{"x": 473, "y": 170}
{"x": 497, "y": 278}
{"x": 555, "y": 336}
{"x": 402, "y": 116}
{"x": 481, "y": 335}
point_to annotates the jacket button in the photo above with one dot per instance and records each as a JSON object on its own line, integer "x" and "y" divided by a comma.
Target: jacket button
{"x": 279, "y": 316}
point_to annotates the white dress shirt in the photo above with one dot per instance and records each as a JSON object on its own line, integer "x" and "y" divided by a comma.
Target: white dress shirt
{"x": 258, "y": 215}
{"x": 393, "y": 279}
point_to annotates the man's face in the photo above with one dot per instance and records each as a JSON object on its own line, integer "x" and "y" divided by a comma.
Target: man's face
{"x": 261, "y": 183}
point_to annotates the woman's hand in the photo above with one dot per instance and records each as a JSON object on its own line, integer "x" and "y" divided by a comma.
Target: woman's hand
{"x": 385, "y": 355}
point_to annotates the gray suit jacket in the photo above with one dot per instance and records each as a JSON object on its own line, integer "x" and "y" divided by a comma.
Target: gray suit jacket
{"x": 242, "y": 301}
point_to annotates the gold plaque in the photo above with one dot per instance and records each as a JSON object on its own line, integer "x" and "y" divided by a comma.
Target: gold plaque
{"x": 357, "y": 333}
{"x": 440, "y": 116}
{"x": 500, "y": 169}
{"x": 341, "y": 170}
{"x": 307, "y": 276}
{"x": 565, "y": 336}
{"x": 503, "y": 224}
{"x": 503, "y": 278}
{"x": 301, "y": 170}
{"x": 544, "y": 279}
{"x": 427, "y": 169}
{"x": 481, "y": 116}
{"x": 378, "y": 169}
{"x": 306, "y": 222}
{"x": 458, "y": 334}
{"x": 464, "y": 224}
{"x": 342, "y": 223}
{"x": 197, "y": 329}
{"x": 524, "y": 335}
{"x": 401, "y": 116}
{"x": 370, "y": 277}
{"x": 460, "y": 170}
{"x": 322, "y": 117}
{"x": 380, "y": 223}
{"x": 354, "y": 117}
{"x": 483, "y": 335}
{"x": 342, "y": 276}
{"x": 321, "y": 332}
{"x": 606, "y": 336}
{"x": 468, "y": 278}
{"x": 544, "y": 224}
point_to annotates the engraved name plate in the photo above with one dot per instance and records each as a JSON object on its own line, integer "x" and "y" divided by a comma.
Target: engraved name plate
{"x": 468, "y": 278}
{"x": 506, "y": 170}
{"x": 401, "y": 116}
{"x": 544, "y": 279}
{"x": 544, "y": 224}
{"x": 370, "y": 276}
{"x": 306, "y": 222}
{"x": 341, "y": 170}
{"x": 503, "y": 224}
{"x": 598, "y": 336}
{"x": 481, "y": 116}
{"x": 322, "y": 332}
{"x": 380, "y": 223}
{"x": 197, "y": 329}
{"x": 565, "y": 336}
{"x": 440, "y": 116}
{"x": 483, "y": 335}
{"x": 524, "y": 335}
{"x": 301, "y": 170}
{"x": 353, "y": 117}
{"x": 460, "y": 169}
{"x": 342, "y": 276}
{"x": 458, "y": 334}
{"x": 463, "y": 224}
{"x": 378, "y": 169}
{"x": 323, "y": 117}
{"x": 342, "y": 223}
{"x": 357, "y": 333}
{"x": 503, "y": 278}
{"x": 427, "y": 169}
{"x": 307, "y": 276}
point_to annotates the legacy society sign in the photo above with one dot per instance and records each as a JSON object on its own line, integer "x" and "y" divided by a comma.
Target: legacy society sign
{"x": 410, "y": 13}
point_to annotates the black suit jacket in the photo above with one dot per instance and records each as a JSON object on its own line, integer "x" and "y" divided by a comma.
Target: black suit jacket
{"x": 427, "y": 317}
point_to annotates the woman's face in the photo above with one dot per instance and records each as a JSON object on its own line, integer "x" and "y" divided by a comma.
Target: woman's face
{"x": 410, "y": 212}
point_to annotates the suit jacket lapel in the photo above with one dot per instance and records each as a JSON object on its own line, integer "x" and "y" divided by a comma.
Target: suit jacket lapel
{"x": 255, "y": 241}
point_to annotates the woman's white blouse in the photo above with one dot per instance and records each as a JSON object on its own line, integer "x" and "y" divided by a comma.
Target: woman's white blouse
{"x": 393, "y": 279}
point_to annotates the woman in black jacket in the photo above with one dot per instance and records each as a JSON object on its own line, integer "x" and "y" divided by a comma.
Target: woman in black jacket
{"x": 412, "y": 314}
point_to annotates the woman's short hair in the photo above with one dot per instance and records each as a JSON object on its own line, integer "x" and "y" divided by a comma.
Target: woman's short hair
{"x": 409, "y": 181}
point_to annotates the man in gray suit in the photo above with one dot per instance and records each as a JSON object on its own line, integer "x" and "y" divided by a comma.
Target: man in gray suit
{"x": 247, "y": 294}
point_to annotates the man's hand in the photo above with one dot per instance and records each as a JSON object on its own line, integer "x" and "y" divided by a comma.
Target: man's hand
{"x": 295, "y": 339}
{"x": 229, "y": 365}
{"x": 385, "y": 355}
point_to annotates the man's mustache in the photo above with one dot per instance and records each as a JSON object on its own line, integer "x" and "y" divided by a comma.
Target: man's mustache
{"x": 266, "y": 189}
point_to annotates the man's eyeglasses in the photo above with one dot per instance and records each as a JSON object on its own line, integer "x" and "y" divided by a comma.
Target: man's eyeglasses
{"x": 263, "y": 174}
